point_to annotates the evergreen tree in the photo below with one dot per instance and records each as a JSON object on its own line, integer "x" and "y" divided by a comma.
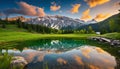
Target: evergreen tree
{"x": 112, "y": 25}
{"x": 3, "y": 25}
{"x": 18, "y": 23}
{"x": 104, "y": 31}
{"x": 29, "y": 27}
{"x": 83, "y": 31}
{"x": 90, "y": 30}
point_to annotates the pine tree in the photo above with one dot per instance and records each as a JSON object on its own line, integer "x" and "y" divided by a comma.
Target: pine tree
{"x": 3, "y": 25}
{"x": 111, "y": 25}
{"x": 29, "y": 28}
{"x": 90, "y": 30}
{"x": 18, "y": 23}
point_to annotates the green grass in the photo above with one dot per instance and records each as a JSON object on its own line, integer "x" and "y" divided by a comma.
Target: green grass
{"x": 12, "y": 33}
{"x": 112, "y": 35}
{"x": 5, "y": 60}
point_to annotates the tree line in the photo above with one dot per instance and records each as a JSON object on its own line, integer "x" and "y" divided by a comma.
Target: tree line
{"x": 43, "y": 29}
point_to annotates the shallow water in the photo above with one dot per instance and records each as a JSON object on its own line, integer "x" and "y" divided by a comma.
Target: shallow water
{"x": 65, "y": 54}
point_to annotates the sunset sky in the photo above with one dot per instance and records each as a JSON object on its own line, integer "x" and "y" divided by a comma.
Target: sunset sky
{"x": 80, "y": 9}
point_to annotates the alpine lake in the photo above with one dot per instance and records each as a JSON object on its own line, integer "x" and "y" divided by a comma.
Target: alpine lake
{"x": 65, "y": 53}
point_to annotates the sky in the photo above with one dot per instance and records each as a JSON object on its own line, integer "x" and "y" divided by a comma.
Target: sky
{"x": 78, "y": 9}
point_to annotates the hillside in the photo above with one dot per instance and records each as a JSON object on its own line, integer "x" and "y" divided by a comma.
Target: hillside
{"x": 111, "y": 24}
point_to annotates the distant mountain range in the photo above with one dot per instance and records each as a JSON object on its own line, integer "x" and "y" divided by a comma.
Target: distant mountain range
{"x": 56, "y": 22}
{"x": 62, "y": 22}
{"x": 59, "y": 22}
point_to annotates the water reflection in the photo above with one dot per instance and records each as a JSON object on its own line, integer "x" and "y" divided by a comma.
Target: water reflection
{"x": 65, "y": 54}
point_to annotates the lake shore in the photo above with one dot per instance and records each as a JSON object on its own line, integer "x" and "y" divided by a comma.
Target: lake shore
{"x": 12, "y": 36}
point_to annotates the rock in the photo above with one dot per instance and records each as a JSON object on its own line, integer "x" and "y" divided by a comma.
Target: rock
{"x": 101, "y": 39}
{"x": 95, "y": 38}
{"x": 118, "y": 51}
{"x": 105, "y": 40}
{"x": 115, "y": 42}
{"x": 18, "y": 62}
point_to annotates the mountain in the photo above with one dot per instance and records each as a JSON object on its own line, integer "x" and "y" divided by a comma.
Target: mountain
{"x": 112, "y": 24}
{"x": 23, "y": 19}
{"x": 58, "y": 22}
{"x": 91, "y": 21}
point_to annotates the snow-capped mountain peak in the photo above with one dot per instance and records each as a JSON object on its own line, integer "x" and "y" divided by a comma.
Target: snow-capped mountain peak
{"x": 58, "y": 22}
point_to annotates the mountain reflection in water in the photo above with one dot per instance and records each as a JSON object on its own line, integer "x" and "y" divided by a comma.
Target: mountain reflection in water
{"x": 66, "y": 55}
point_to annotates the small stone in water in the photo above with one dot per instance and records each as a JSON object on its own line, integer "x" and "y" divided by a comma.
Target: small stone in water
{"x": 18, "y": 62}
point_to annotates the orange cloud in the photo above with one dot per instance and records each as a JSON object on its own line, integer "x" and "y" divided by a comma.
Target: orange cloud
{"x": 26, "y": 9}
{"x": 41, "y": 12}
{"x": 31, "y": 10}
{"x": 61, "y": 61}
{"x": 30, "y": 56}
{"x": 86, "y": 16}
{"x": 78, "y": 59}
{"x": 75, "y": 8}
{"x": 101, "y": 17}
{"x": 93, "y": 3}
{"x": 85, "y": 52}
{"x": 93, "y": 67}
{"x": 99, "y": 50}
{"x": 54, "y": 7}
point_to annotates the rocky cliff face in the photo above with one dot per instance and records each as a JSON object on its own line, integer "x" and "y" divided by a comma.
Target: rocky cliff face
{"x": 56, "y": 22}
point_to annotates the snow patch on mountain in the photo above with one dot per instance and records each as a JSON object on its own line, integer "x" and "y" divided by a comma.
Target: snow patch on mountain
{"x": 58, "y": 22}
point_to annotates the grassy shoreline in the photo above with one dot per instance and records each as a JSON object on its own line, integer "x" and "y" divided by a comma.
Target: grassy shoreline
{"x": 112, "y": 35}
{"x": 12, "y": 33}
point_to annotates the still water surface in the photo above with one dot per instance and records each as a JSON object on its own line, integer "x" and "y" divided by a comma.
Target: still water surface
{"x": 65, "y": 54}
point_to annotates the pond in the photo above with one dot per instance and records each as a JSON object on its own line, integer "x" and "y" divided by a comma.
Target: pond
{"x": 64, "y": 54}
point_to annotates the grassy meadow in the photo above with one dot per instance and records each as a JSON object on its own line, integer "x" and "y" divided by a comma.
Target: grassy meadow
{"x": 12, "y": 33}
